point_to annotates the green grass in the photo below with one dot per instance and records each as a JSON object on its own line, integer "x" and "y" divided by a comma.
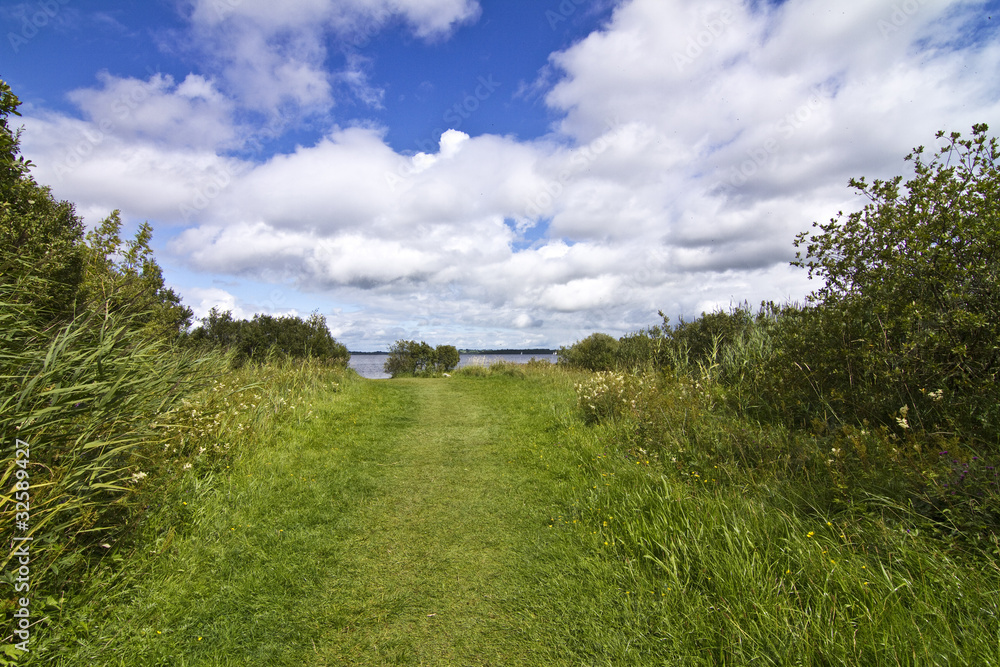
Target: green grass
{"x": 476, "y": 520}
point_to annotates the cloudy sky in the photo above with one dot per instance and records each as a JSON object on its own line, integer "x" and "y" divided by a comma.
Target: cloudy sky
{"x": 486, "y": 173}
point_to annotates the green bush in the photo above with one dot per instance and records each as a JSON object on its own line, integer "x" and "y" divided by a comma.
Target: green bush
{"x": 596, "y": 352}
{"x": 912, "y": 285}
{"x": 408, "y": 358}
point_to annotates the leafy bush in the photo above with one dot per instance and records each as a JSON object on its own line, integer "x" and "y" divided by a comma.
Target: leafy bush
{"x": 410, "y": 358}
{"x": 913, "y": 281}
{"x": 594, "y": 353}
{"x": 880, "y": 393}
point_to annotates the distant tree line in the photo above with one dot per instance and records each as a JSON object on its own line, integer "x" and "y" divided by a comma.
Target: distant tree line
{"x": 267, "y": 337}
{"x": 410, "y": 358}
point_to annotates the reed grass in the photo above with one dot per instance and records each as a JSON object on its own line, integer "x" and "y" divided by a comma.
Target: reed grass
{"x": 117, "y": 423}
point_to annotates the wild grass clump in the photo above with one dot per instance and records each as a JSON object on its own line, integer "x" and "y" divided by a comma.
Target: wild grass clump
{"x": 737, "y": 541}
{"x": 481, "y": 367}
{"x": 84, "y": 397}
{"x": 120, "y": 426}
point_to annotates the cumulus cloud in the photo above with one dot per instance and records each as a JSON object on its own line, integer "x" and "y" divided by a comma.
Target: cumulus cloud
{"x": 191, "y": 114}
{"x": 275, "y": 55}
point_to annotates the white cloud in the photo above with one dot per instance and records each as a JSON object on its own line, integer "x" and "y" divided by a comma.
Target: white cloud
{"x": 273, "y": 56}
{"x": 192, "y": 113}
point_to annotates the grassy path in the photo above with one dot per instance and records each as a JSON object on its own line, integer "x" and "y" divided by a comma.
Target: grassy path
{"x": 434, "y": 571}
{"x": 405, "y": 522}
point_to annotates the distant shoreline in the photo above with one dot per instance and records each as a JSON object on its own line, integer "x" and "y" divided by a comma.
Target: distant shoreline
{"x": 531, "y": 351}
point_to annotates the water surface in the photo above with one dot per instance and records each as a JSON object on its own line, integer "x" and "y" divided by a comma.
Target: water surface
{"x": 371, "y": 365}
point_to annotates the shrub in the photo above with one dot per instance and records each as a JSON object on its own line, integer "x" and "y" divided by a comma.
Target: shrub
{"x": 594, "y": 353}
{"x": 266, "y": 337}
{"x": 410, "y": 358}
{"x": 913, "y": 289}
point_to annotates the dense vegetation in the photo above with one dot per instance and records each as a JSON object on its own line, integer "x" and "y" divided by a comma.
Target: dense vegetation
{"x": 115, "y": 409}
{"x": 265, "y": 338}
{"x": 408, "y": 358}
{"x": 881, "y": 389}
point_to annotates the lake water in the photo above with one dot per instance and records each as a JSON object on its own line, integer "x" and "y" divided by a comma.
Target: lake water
{"x": 370, "y": 365}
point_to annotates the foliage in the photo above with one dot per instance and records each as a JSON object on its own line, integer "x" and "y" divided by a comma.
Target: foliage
{"x": 84, "y": 396}
{"x": 607, "y": 396}
{"x": 596, "y": 352}
{"x": 40, "y": 252}
{"x": 913, "y": 280}
{"x": 880, "y": 392}
{"x": 642, "y": 350}
{"x": 447, "y": 357}
{"x": 91, "y": 376}
{"x": 123, "y": 278}
{"x": 409, "y": 358}
{"x": 265, "y": 337}
{"x": 609, "y": 555}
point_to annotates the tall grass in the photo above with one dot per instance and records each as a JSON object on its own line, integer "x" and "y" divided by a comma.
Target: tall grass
{"x": 736, "y": 541}
{"x": 116, "y": 422}
{"x": 84, "y": 397}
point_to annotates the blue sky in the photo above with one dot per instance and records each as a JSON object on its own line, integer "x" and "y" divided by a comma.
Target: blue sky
{"x": 485, "y": 173}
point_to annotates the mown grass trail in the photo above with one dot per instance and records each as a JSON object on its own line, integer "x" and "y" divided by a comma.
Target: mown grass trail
{"x": 404, "y": 522}
{"x": 437, "y": 563}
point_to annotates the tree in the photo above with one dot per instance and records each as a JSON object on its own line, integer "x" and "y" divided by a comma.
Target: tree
{"x": 596, "y": 352}
{"x": 125, "y": 279}
{"x": 914, "y": 278}
{"x": 447, "y": 357}
{"x": 43, "y": 251}
{"x": 40, "y": 252}
{"x": 410, "y": 358}
{"x": 265, "y": 336}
